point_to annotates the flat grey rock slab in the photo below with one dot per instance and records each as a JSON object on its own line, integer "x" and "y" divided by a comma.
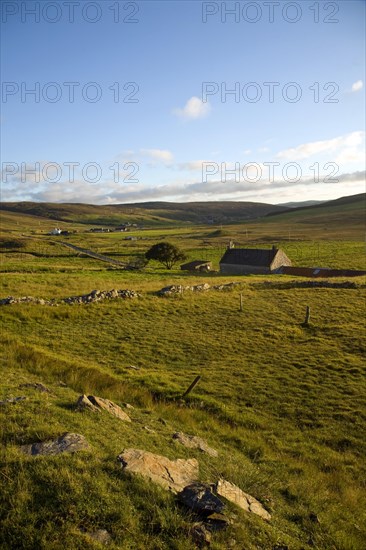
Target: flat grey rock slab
{"x": 173, "y": 475}
{"x": 66, "y": 443}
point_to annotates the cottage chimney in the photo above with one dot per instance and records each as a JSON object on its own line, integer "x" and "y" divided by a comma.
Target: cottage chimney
{"x": 274, "y": 248}
{"x": 231, "y": 245}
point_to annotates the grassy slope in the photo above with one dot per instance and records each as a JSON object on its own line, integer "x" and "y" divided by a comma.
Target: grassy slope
{"x": 284, "y": 405}
{"x": 347, "y": 213}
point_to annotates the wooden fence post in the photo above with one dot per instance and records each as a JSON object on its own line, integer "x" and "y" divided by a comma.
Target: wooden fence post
{"x": 241, "y": 302}
{"x": 194, "y": 383}
{"x": 307, "y": 316}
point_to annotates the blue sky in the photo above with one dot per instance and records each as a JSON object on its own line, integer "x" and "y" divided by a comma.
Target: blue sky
{"x": 175, "y": 132}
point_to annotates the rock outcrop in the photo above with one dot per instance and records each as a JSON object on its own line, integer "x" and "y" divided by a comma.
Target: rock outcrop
{"x": 169, "y": 474}
{"x": 26, "y": 300}
{"x": 234, "y": 494}
{"x": 95, "y": 403}
{"x": 173, "y": 290}
{"x": 100, "y": 295}
{"x": 179, "y": 289}
{"x": 199, "y": 498}
{"x": 84, "y": 403}
{"x": 66, "y": 443}
{"x": 92, "y": 297}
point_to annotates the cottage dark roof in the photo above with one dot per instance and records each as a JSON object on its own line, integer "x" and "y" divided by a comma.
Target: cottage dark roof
{"x": 249, "y": 256}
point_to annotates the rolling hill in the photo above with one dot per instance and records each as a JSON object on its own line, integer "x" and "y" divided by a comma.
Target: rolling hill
{"x": 151, "y": 213}
{"x": 343, "y": 218}
{"x": 354, "y": 200}
{"x": 161, "y": 213}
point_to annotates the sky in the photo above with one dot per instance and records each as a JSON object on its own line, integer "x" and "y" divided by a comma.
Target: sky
{"x": 121, "y": 101}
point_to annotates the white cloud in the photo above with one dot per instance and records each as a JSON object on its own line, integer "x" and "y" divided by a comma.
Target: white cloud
{"x": 184, "y": 190}
{"x": 357, "y": 86}
{"x": 350, "y": 154}
{"x": 194, "y": 108}
{"x": 334, "y": 146}
{"x": 161, "y": 155}
{"x": 306, "y": 150}
{"x": 193, "y": 165}
{"x": 247, "y": 151}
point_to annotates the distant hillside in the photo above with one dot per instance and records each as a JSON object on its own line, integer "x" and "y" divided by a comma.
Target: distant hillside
{"x": 354, "y": 200}
{"x": 344, "y": 217}
{"x": 300, "y": 204}
{"x": 342, "y": 212}
{"x": 150, "y": 213}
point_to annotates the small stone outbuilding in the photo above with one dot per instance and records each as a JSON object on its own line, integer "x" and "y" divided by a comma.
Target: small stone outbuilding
{"x": 241, "y": 261}
{"x": 197, "y": 265}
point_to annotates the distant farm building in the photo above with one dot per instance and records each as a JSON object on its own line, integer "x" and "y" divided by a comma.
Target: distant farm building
{"x": 197, "y": 265}
{"x": 56, "y": 231}
{"x": 121, "y": 228}
{"x": 241, "y": 261}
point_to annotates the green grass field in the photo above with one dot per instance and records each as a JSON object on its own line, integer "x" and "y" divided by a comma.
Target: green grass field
{"x": 283, "y": 404}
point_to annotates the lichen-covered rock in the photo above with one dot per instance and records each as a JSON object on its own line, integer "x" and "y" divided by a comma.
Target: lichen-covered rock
{"x": 170, "y": 474}
{"x": 199, "y": 498}
{"x": 25, "y": 300}
{"x": 200, "y": 288}
{"x": 66, "y": 443}
{"x": 100, "y": 295}
{"x": 92, "y": 297}
{"x": 171, "y": 290}
{"x": 234, "y": 494}
{"x": 83, "y": 403}
{"x": 108, "y": 406}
